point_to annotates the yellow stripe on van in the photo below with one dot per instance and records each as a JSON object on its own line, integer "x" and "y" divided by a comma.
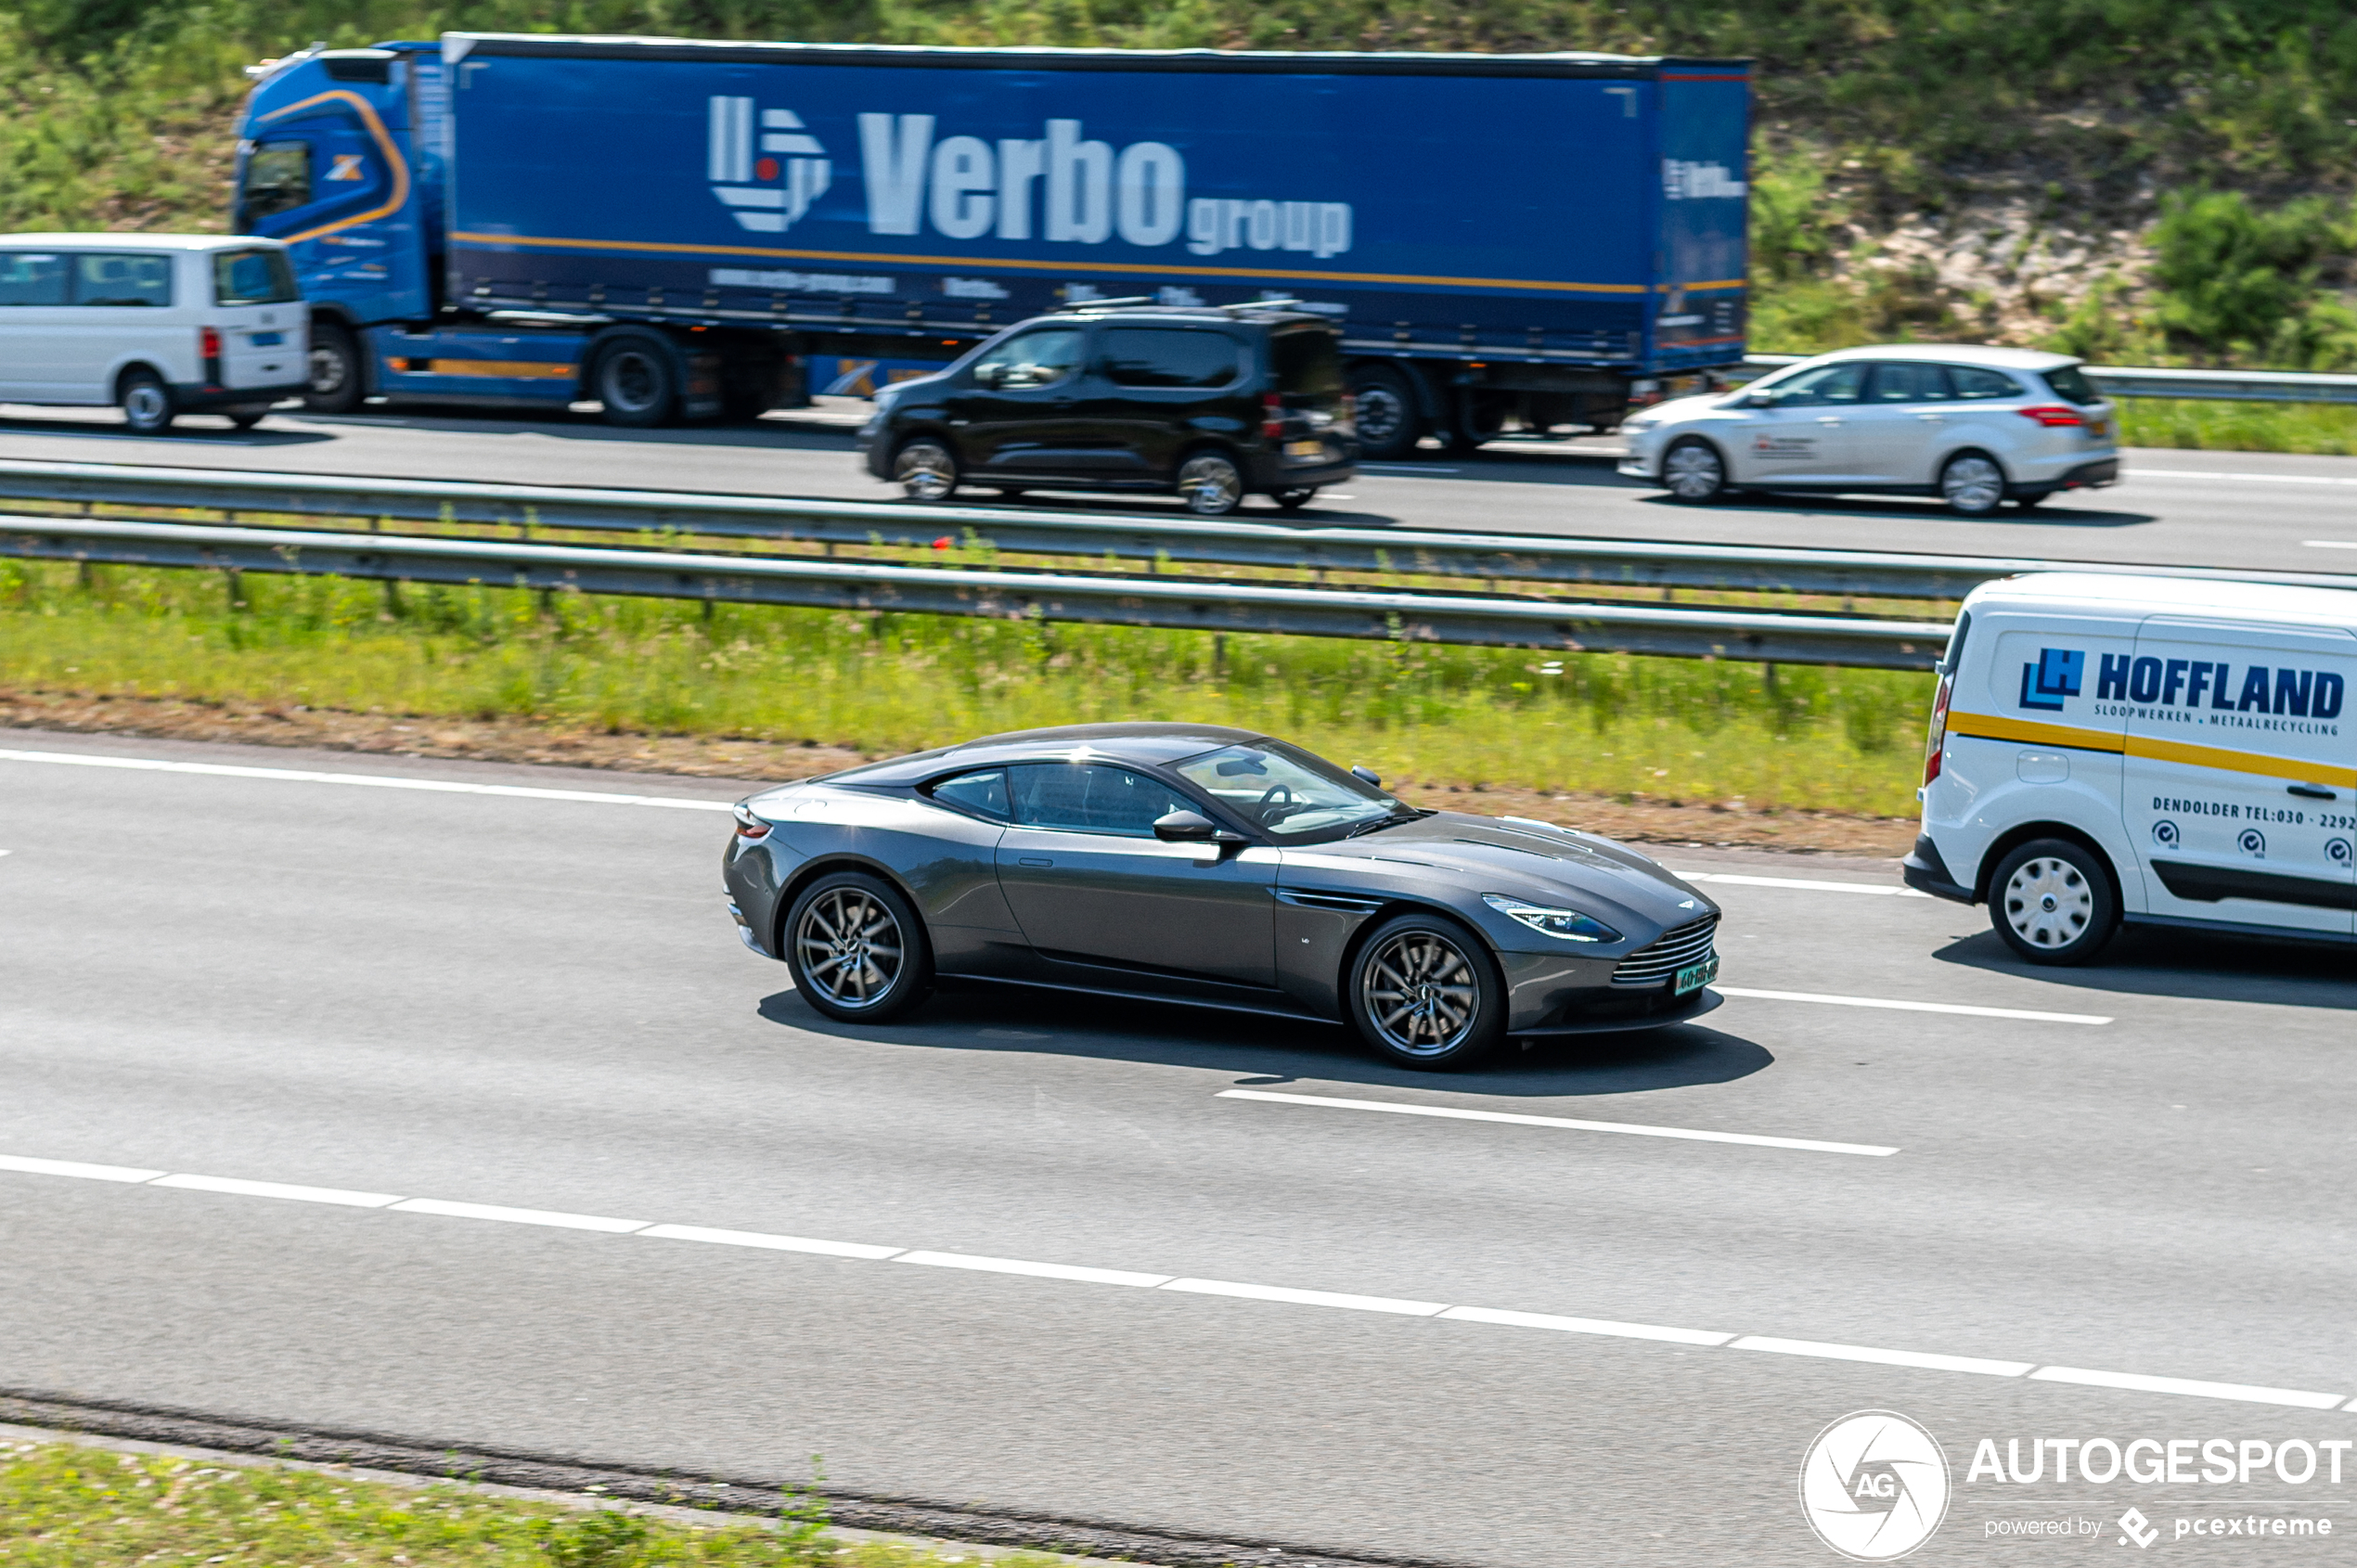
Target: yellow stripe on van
{"x": 1991, "y": 727}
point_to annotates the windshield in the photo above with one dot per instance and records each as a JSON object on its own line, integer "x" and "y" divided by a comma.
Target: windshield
{"x": 1285, "y": 792}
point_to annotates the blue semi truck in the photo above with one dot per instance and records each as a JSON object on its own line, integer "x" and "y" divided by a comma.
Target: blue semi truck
{"x": 682, "y": 230}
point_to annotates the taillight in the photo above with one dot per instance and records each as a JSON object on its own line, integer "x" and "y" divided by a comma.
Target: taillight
{"x": 2052, "y": 414}
{"x": 209, "y": 342}
{"x": 1938, "y": 740}
{"x": 750, "y": 828}
{"x": 1273, "y": 417}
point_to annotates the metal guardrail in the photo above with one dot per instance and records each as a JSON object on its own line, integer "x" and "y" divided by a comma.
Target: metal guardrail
{"x": 1492, "y": 558}
{"x": 866, "y": 586}
{"x": 2132, "y": 380}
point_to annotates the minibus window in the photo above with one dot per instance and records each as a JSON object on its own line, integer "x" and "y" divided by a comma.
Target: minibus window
{"x": 252, "y": 278}
{"x": 109, "y": 279}
{"x": 29, "y": 279}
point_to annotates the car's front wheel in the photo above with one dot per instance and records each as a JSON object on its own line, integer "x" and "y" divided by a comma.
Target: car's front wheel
{"x": 1423, "y": 992}
{"x": 926, "y": 471}
{"x": 1693, "y": 473}
{"x": 1972, "y": 485}
{"x": 857, "y": 949}
{"x": 2050, "y": 900}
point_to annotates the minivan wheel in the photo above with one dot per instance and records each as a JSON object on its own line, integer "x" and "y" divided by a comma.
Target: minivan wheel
{"x": 1212, "y": 484}
{"x": 145, "y": 403}
{"x": 333, "y": 382}
{"x": 1295, "y": 499}
{"x": 926, "y": 471}
{"x": 2050, "y": 900}
{"x": 857, "y": 949}
{"x": 636, "y": 382}
{"x": 1423, "y": 992}
{"x": 1972, "y": 485}
{"x": 1693, "y": 473}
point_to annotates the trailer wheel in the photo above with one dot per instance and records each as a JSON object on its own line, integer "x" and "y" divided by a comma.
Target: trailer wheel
{"x": 333, "y": 381}
{"x": 637, "y": 381}
{"x": 1386, "y": 412}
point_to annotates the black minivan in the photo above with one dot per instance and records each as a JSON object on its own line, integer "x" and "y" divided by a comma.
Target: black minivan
{"x": 1214, "y": 403}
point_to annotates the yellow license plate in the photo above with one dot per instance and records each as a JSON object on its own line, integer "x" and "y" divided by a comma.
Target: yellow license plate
{"x": 1305, "y": 449}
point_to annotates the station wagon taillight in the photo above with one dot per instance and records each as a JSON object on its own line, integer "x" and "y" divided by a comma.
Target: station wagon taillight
{"x": 2052, "y": 414}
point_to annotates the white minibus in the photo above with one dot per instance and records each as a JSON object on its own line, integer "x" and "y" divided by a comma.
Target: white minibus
{"x": 157, "y": 325}
{"x": 2151, "y": 750}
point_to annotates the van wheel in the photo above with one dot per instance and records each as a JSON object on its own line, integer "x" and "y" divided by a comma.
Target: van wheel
{"x": 636, "y": 381}
{"x": 1972, "y": 485}
{"x": 333, "y": 382}
{"x": 2051, "y": 901}
{"x": 1386, "y": 413}
{"x": 1693, "y": 473}
{"x": 145, "y": 403}
{"x": 1211, "y": 483}
{"x": 926, "y": 471}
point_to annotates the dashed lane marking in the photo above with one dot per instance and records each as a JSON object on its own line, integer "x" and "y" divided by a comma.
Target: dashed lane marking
{"x": 366, "y": 780}
{"x": 1894, "y": 1005}
{"x": 1883, "y": 890}
{"x": 1518, "y": 1119}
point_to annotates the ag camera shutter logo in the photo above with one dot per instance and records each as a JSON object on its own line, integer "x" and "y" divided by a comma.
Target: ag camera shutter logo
{"x": 1875, "y": 1485}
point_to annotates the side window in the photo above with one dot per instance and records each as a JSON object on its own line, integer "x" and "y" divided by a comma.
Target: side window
{"x": 983, "y": 793}
{"x": 1151, "y": 356}
{"x": 1092, "y": 797}
{"x": 1972, "y": 382}
{"x": 1032, "y": 359}
{"x": 278, "y": 178}
{"x": 29, "y": 279}
{"x": 1910, "y": 383}
{"x": 121, "y": 280}
{"x": 1830, "y": 384}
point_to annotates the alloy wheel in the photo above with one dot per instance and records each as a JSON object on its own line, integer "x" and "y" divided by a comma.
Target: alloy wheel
{"x": 1972, "y": 485}
{"x": 1211, "y": 484}
{"x": 925, "y": 471}
{"x": 1420, "y": 994}
{"x": 1693, "y": 471}
{"x": 2049, "y": 903}
{"x": 851, "y": 948}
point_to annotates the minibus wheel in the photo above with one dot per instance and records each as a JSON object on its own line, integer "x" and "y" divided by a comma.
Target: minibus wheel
{"x": 2051, "y": 901}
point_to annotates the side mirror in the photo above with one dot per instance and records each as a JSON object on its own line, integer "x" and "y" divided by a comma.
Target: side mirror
{"x": 1361, "y": 771}
{"x": 1185, "y": 827}
{"x": 1756, "y": 400}
{"x": 989, "y": 376}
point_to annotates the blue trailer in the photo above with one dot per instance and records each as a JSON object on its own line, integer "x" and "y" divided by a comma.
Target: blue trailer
{"x": 685, "y": 230}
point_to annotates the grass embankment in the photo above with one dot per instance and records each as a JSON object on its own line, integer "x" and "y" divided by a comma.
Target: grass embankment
{"x": 68, "y": 1507}
{"x": 2319, "y": 428}
{"x": 1642, "y": 729}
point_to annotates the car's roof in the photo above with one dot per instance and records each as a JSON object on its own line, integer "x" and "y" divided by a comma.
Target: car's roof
{"x": 1958, "y": 353}
{"x": 1137, "y": 741}
{"x": 2129, "y": 595}
{"x": 1188, "y": 315}
{"x": 140, "y": 241}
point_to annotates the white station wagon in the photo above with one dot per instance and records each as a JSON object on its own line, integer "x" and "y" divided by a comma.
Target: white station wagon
{"x": 1974, "y": 426}
{"x": 157, "y": 325}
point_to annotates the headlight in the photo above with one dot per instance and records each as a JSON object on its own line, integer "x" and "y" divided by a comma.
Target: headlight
{"x": 1641, "y": 422}
{"x": 1568, "y": 924}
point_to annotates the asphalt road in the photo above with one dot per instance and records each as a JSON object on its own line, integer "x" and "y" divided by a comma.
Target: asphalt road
{"x": 538, "y": 1003}
{"x": 2213, "y": 509}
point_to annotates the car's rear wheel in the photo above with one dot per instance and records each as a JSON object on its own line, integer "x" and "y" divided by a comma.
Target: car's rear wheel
{"x": 926, "y": 471}
{"x": 857, "y": 949}
{"x": 1295, "y": 499}
{"x": 1693, "y": 473}
{"x": 245, "y": 418}
{"x": 1212, "y": 484}
{"x": 145, "y": 403}
{"x": 1972, "y": 485}
{"x": 1424, "y": 993}
{"x": 2050, "y": 900}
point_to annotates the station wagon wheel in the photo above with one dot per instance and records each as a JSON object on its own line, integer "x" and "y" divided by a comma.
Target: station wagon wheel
{"x": 2051, "y": 901}
{"x": 926, "y": 471}
{"x": 1213, "y": 485}
{"x": 1423, "y": 992}
{"x": 1972, "y": 485}
{"x": 1694, "y": 471}
{"x": 856, "y": 948}
{"x": 145, "y": 403}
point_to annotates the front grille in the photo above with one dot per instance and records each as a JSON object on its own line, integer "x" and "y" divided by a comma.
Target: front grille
{"x": 1688, "y": 943}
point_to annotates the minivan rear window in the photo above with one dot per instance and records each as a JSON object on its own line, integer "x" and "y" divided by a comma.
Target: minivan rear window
{"x": 252, "y": 278}
{"x": 1308, "y": 362}
{"x": 32, "y": 278}
{"x": 103, "y": 278}
{"x": 1169, "y": 357}
{"x": 2072, "y": 386}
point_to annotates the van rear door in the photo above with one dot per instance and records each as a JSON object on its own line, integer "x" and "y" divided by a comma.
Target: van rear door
{"x": 2239, "y": 782}
{"x": 262, "y": 318}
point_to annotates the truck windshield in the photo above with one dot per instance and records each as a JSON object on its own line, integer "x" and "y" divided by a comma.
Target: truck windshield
{"x": 1308, "y": 363}
{"x": 278, "y": 177}
{"x": 252, "y": 278}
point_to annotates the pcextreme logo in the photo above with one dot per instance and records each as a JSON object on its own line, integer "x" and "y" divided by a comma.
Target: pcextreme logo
{"x": 1875, "y": 1485}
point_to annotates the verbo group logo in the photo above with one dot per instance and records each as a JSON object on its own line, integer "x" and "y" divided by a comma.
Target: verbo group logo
{"x": 765, "y": 194}
{"x": 1875, "y": 1485}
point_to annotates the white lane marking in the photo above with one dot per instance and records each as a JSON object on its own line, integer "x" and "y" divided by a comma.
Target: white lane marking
{"x": 1885, "y": 1357}
{"x": 240, "y": 1189}
{"x": 1405, "y": 469}
{"x": 1518, "y": 1119}
{"x": 368, "y": 780}
{"x": 2135, "y": 1381}
{"x": 1038, "y": 1270}
{"x": 1310, "y": 1298}
{"x": 1910, "y": 1007}
{"x": 2142, "y": 473}
{"x": 519, "y": 1216}
{"x": 772, "y": 1243}
{"x": 1585, "y": 1326}
{"x": 1892, "y": 890}
{"x": 2248, "y": 1392}
{"x": 2330, "y": 543}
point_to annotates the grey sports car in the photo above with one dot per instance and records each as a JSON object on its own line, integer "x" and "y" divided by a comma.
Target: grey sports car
{"x": 1188, "y": 862}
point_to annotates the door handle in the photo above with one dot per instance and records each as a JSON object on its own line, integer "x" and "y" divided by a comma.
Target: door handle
{"x": 1033, "y": 860}
{"x": 1828, "y": 420}
{"x": 2311, "y": 792}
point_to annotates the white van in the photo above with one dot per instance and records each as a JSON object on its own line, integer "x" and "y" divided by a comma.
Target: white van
{"x": 157, "y": 325}
{"x": 2156, "y": 749}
